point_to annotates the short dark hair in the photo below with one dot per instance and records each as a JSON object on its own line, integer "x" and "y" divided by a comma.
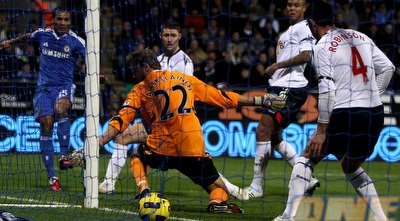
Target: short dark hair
{"x": 145, "y": 56}
{"x": 320, "y": 12}
{"x": 57, "y": 10}
{"x": 171, "y": 24}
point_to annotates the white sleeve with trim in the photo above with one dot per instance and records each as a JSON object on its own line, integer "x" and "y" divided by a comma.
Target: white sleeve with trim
{"x": 325, "y": 106}
{"x": 383, "y": 67}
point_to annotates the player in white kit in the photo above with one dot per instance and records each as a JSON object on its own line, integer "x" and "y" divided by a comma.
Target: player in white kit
{"x": 353, "y": 72}
{"x": 287, "y": 80}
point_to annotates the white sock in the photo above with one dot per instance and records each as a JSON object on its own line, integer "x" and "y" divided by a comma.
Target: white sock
{"x": 363, "y": 185}
{"x": 263, "y": 152}
{"x": 288, "y": 152}
{"x": 116, "y": 163}
{"x": 299, "y": 180}
{"x": 231, "y": 187}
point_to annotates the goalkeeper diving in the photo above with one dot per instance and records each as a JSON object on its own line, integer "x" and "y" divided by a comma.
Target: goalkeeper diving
{"x": 166, "y": 102}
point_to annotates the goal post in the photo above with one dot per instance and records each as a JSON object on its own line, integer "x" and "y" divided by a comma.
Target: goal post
{"x": 92, "y": 94}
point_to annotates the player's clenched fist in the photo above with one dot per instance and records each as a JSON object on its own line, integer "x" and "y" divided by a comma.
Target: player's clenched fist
{"x": 5, "y": 44}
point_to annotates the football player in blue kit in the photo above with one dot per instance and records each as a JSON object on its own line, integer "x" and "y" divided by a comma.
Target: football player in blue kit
{"x": 60, "y": 51}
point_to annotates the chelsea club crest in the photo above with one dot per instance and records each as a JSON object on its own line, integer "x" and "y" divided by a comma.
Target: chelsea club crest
{"x": 66, "y": 49}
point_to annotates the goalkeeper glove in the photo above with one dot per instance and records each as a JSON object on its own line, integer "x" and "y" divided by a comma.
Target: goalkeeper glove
{"x": 272, "y": 101}
{"x": 78, "y": 157}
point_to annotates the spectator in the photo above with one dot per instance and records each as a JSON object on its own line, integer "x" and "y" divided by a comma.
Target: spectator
{"x": 247, "y": 31}
{"x": 382, "y": 14}
{"x": 190, "y": 33}
{"x": 240, "y": 77}
{"x": 365, "y": 18}
{"x": 198, "y": 55}
{"x": 257, "y": 43}
{"x": 33, "y": 59}
{"x": 384, "y": 39}
{"x": 233, "y": 54}
{"x": 207, "y": 71}
{"x": 8, "y": 64}
{"x": 242, "y": 44}
{"x": 204, "y": 39}
{"x": 235, "y": 17}
{"x": 45, "y": 10}
{"x": 195, "y": 20}
{"x": 340, "y": 21}
{"x": 258, "y": 76}
{"x": 269, "y": 34}
{"x": 213, "y": 29}
{"x": 124, "y": 43}
{"x": 12, "y": 30}
{"x": 396, "y": 24}
{"x": 350, "y": 17}
{"x": 219, "y": 12}
{"x": 222, "y": 40}
{"x": 26, "y": 72}
{"x": 254, "y": 11}
{"x": 213, "y": 51}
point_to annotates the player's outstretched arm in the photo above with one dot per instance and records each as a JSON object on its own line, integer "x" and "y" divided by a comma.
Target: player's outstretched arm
{"x": 109, "y": 134}
{"x": 7, "y": 43}
{"x": 272, "y": 101}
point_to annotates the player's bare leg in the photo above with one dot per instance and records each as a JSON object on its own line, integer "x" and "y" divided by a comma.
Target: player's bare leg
{"x": 134, "y": 134}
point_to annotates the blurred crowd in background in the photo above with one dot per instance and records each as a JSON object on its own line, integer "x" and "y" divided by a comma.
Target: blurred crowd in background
{"x": 231, "y": 42}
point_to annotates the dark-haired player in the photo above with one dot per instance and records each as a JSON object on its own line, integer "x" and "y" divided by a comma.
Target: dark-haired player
{"x": 353, "y": 72}
{"x": 60, "y": 50}
{"x": 293, "y": 52}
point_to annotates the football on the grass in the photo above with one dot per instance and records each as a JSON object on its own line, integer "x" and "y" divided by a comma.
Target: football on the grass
{"x": 154, "y": 207}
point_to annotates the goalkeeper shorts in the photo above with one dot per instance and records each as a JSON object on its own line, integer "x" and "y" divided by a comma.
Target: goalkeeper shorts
{"x": 200, "y": 170}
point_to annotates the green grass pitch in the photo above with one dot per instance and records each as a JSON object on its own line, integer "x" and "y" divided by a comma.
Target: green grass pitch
{"x": 24, "y": 189}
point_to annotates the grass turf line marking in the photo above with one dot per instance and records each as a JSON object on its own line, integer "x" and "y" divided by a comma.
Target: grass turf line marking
{"x": 65, "y": 205}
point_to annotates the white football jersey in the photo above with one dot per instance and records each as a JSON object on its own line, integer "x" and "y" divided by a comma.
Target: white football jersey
{"x": 179, "y": 61}
{"x": 346, "y": 62}
{"x": 296, "y": 39}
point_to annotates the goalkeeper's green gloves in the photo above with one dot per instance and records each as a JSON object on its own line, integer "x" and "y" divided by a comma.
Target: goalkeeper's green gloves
{"x": 271, "y": 101}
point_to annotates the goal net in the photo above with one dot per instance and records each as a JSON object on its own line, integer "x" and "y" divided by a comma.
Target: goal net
{"x": 231, "y": 43}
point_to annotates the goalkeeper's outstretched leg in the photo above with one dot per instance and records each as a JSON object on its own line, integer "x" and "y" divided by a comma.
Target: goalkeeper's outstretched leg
{"x": 201, "y": 171}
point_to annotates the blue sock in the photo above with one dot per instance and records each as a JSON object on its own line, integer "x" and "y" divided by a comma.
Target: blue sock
{"x": 63, "y": 132}
{"x": 47, "y": 151}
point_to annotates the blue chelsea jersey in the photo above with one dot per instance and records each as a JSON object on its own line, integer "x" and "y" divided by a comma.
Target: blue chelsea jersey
{"x": 58, "y": 56}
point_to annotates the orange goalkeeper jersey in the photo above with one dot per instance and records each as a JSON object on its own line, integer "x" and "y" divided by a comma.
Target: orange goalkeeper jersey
{"x": 166, "y": 101}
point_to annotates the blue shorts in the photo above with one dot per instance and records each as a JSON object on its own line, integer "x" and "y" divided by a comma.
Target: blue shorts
{"x": 46, "y": 96}
{"x": 295, "y": 98}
